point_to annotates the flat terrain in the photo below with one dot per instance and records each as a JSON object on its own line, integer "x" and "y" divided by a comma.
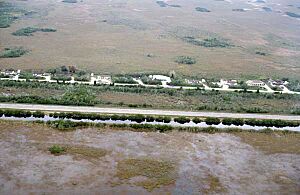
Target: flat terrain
{"x": 143, "y": 111}
{"x": 139, "y": 36}
{"x": 159, "y": 99}
{"x": 107, "y": 161}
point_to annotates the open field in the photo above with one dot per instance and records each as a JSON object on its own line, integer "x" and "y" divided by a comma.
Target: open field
{"x": 108, "y": 161}
{"x": 139, "y": 36}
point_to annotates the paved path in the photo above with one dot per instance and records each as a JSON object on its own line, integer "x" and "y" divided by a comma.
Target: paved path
{"x": 143, "y": 111}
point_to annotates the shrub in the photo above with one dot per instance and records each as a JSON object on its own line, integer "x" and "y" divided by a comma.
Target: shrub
{"x": 233, "y": 121}
{"x": 208, "y": 42}
{"x": 163, "y": 128}
{"x": 124, "y": 79}
{"x": 137, "y": 118}
{"x": 212, "y": 121}
{"x": 197, "y": 120}
{"x": 28, "y": 31}
{"x": 201, "y": 9}
{"x": 69, "y": 1}
{"x": 185, "y": 60}
{"x": 182, "y": 120}
{"x": 56, "y": 149}
{"x": 8, "y": 14}
{"x": 13, "y": 52}
{"x": 210, "y": 130}
{"x": 150, "y": 119}
{"x": 16, "y": 113}
{"x": 38, "y": 114}
{"x": 67, "y": 124}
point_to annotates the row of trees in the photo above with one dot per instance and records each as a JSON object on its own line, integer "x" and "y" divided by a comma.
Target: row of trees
{"x": 21, "y": 113}
{"x": 144, "y": 118}
{"x": 66, "y": 125}
{"x": 93, "y": 116}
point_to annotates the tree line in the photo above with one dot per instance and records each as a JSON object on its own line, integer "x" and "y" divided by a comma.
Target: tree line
{"x": 139, "y": 118}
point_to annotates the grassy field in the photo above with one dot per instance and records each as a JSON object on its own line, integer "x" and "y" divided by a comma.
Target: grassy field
{"x": 135, "y": 36}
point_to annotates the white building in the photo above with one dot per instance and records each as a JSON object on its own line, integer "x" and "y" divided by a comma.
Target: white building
{"x": 161, "y": 78}
{"x": 101, "y": 79}
{"x": 228, "y": 83}
{"x": 275, "y": 83}
{"x": 255, "y": 83}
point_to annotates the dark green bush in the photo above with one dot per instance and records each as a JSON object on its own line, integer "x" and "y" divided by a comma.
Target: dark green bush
{"x": 13, "y": 52}
{"x": 197, "y": 120}
{"x": 233, "y": 121}
{"x": 182, "y": 120}
{"x": 38, "y": 114}
{"x": 212, "y": 121}
{"x": 28, "y": 31}
{"x": 56, "y": 149}
{"x": 185, "y": 60}
{"x": 137, "y": 118}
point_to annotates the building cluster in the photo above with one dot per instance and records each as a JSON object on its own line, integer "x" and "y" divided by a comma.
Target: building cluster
{"x": 269, "y": 84}
{"x": 47, "y": 77}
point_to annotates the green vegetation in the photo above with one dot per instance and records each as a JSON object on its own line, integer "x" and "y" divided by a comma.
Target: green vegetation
{"x": 197, "y": 120}
{"x": 233, "y": 121}
{"x": 261, "y": 53}
{"x": 182, "y": 120}
{"x": 158, "y": 173}
{"x": 69, "y": 1}
{"x": 208, "y": 42}
{"x": 8, "y": 14}
{"x": 13, "y": 52}
{"x": 162, "y": 3}
{"x": 185, "y": 60}
{"x": 212, "y": 121}
{"x": 56, "y": 150}
{"x": 293, "y": 15}
{"x": 201, "y": 9}
{"x": 124, "y": 79}
{"x": 148, "y": 81}
{"x": 66, "y": 125}
{"x": 83, "y": 151}
{"x": 26, "y": 75}
{"x": 73, "y": 96}
{"x": 294, "y": 85}
{"x": 164, "y": 98}
{"x": 28, "y": 31}
{"x": 239, "y": 10}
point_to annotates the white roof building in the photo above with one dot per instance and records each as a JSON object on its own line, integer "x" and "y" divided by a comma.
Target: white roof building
{"x": 256, "y": 83}
{"x": 160, "y": 78}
